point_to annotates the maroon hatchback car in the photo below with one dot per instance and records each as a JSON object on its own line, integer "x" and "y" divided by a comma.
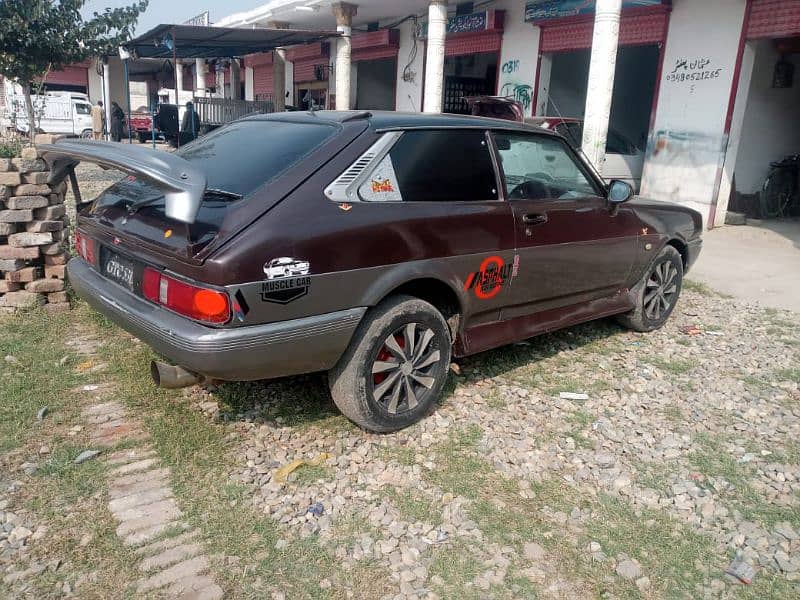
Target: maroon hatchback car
{"x": 374, "y": 246}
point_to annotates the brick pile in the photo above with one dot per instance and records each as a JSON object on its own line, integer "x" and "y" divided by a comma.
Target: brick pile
{"x": 33, "y": 233}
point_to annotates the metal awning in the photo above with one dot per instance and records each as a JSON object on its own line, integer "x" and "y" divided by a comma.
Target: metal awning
{"x": 191, "y": 41}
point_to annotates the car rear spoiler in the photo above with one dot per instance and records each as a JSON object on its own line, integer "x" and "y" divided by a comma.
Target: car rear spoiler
{"x": 183, "y": 184}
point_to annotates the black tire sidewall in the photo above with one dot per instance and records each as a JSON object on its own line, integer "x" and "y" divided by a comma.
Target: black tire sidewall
{"x": 351, "y": 379}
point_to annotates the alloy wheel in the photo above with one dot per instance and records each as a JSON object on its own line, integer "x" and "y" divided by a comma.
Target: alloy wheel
{"x": 661, "y": 290}
{"x": 402, "y": 371}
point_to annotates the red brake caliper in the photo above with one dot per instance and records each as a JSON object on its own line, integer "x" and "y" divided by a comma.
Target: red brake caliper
{"x": 385, "y": 355}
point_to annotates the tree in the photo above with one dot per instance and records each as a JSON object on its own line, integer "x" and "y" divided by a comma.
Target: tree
{"x": 37, "y": 36}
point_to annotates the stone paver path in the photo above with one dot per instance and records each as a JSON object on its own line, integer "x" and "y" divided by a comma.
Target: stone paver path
{"x": 142, "y": 502}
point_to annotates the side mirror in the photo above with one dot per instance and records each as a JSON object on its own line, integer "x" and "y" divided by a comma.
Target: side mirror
{"x": 619, "y": 192}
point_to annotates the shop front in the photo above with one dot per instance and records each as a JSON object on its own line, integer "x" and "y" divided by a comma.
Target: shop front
{"x": 565, "y": 45}
{"x": 311, "y": 73}
{"x": 259, "y": 83}
{"x": 72, "y": 78}
{"x": 765, "y": 122}
{"x": 472, "y": 57}
{"x": 374, "y": 68}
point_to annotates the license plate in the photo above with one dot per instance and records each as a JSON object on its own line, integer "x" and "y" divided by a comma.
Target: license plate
{"x": 119, "y": 269}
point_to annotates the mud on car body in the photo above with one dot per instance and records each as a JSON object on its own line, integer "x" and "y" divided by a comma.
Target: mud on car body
{"x": 374, "y": 246}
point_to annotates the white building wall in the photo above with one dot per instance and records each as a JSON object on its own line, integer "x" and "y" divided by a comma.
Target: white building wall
{"x": 289, "y": 83}
{"x": 409, "y": 91}
{"x": 248, "y": 84}
{"x": 518, "y": 56}
{"x": 687, "y": 146}
{"x": 95, "y": 81}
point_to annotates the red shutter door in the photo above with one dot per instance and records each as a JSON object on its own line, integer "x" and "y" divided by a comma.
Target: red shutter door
{"x": 634, "y": 30}
{"x": 306, "y": 58}
{"x": 375, "y": 45}
{"x": 473, "y": 43}
{"x": 773, "y": 19}
{"x": 72, "y": 75}
{"x": 262, "y": 80}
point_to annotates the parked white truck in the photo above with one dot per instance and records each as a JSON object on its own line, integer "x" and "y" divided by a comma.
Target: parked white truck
{"x": 56, "y": 112}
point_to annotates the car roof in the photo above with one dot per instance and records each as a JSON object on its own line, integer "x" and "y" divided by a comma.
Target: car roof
{"x": 381, "y": 120}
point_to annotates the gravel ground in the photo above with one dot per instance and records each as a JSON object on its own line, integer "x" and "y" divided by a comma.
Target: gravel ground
{"x": 681, "y": 462}
{"x": 688, "y": 437}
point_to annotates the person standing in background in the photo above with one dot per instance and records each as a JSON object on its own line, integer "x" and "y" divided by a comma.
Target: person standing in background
{"x": 98, "y": 121}
{"x": 117, "y": 122}
{"x": 190, "y": 125}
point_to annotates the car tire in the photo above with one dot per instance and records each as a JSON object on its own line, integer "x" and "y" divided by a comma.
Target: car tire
{"x": 656, "y": 293}
{"x": 380, "y": 397}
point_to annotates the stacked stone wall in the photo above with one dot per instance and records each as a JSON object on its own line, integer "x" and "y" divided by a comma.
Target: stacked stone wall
{"x": 33, "y": 233}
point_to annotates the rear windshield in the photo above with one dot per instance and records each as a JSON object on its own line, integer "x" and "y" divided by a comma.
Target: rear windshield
{"x": 244, "y": 155}
{"x": 238, "y": 158}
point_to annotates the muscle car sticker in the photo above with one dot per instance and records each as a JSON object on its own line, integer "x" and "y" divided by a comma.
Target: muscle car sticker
{"x": 285, "y": 290}
{"x": 487, "y": 281}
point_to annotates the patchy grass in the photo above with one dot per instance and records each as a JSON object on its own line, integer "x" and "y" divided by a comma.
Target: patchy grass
{"x": 699, "y": 288}
{"x": 307, "y": 474}
{"x": 457, "y": 566}
{"x": 675, "y": 366}
{"x": 673, "y": 557}
{"x": 33, "y": 376}
{"x": 413, "y": 506}
{"x": 66, "y": 498}
{"x": 712, "y": 461}
{"x": 792, "y": 375}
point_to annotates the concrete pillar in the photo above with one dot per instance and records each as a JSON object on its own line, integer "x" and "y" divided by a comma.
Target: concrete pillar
{"x": 344, "y": 13}
{"x": 434, "y": 57}
{"x": 200, "y": 68}
{"x": 600, "y": 88}
{"x": 279, "y": 71}
{"x": 107, "y": 94}
{"x": 279, "y": 79}
{"x": 235, "y": 80}
{"x": 178, "y": 79}
{"x": 220, "y": 84}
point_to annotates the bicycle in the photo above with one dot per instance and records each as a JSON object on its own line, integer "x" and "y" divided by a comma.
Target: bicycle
{"x": 781, "y": 189}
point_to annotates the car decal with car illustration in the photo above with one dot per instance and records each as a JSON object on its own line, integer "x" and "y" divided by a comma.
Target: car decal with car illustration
{"x": 374, "y": 246}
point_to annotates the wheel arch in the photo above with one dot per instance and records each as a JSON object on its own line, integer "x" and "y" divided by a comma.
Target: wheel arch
{"x": 682, "y": 249}
{"x": 433, "y": 290}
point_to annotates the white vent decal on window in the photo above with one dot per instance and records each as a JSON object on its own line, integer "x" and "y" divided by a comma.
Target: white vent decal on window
{"x": 345, "y": 186}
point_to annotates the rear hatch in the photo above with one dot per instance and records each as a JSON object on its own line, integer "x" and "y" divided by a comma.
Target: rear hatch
{"x": 175, "y": 203}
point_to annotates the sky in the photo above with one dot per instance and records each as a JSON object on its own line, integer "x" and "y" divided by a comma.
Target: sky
{"x": 174, "y": 11}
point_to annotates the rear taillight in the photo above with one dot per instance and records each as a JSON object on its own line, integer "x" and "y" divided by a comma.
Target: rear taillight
{"x": 85, "y": 247}
{"x": 186, "y": 299}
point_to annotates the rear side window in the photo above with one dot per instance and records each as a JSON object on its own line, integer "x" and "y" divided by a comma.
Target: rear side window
{"x": 434, "y": 166}
{"x": 244, "y": 155}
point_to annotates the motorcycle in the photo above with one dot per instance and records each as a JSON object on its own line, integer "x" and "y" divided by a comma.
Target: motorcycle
{"x": 780, "y": 194}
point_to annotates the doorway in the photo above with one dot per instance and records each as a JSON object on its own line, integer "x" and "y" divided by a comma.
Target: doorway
{"x": 311, "y": 95}
{"x": 634, "y": 89}
{"x": 468, "y": 75}
{"x": 770, "y": 127}
{"x": 375, "y": 84}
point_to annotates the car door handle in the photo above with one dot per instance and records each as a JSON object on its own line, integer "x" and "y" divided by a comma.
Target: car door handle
{"x": 534, "y": 219}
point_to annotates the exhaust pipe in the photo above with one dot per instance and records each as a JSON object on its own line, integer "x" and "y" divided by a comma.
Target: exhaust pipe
{"x": 172, "y": 376}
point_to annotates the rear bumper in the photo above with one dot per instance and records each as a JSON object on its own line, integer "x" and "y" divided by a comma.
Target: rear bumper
{"x": 233, "y": 354}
